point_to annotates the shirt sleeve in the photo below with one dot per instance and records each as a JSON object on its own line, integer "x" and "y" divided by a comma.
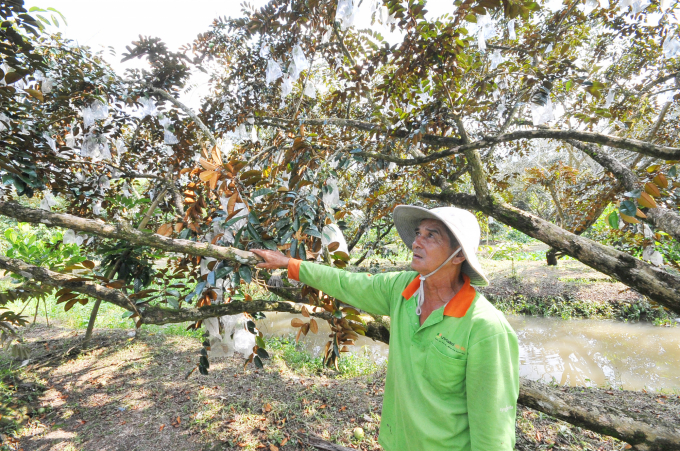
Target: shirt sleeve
{"x": 371, "y": 293}
{"x": 492, "y": 390}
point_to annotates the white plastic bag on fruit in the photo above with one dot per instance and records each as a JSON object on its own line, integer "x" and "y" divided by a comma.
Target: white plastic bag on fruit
{"x": 99, "y": 110}
{"x": 286, "y": 86}
{"x": 273, "y": 72}
{"x": 345, "y": 13}
{"x": 511, "y": 30}
{"x": 611, "y": 94}
{"x": 300, "y": 59}
{"x": 148, "y": 107}
{"x": 97, "y": 208}
{"x": 264, "y": 51}
{"x": 310, "y": 90}
{"x": 169, "y": 137}
{"x": 496, "y": 59}
{"x": 48, "y": 201}
{"x": 331, "y": 194}
{"x": 671, "y": 46}
{"x": 332, "y": 234}
{"x": 244, "y": 341}
{"x": 541, "y": 114}
{"x": 88, "y": 117}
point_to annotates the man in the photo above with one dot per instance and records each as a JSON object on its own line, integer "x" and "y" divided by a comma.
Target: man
{"x": 453, "y": 368}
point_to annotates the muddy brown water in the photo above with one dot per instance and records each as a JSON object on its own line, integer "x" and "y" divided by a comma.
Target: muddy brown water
{"x": 632, "y": 356}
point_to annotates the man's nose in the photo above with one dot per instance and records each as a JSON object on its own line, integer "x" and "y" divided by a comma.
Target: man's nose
{"x": 416, "y": 243}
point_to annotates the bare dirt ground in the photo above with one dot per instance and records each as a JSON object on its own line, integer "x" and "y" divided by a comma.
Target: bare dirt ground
{"x": 131, "y": 394}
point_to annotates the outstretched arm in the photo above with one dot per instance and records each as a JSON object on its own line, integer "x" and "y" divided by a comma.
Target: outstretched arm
{"x": 364, "y": 291}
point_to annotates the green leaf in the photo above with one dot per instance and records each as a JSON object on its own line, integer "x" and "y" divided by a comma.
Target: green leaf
{"x": 245, "y": 273}
{"x": 258, "y": 363}
{"x": 259, "y": 341}
{"x": 203, "y": 370}
{"x": 628, "y": 208}
{"x": 613, "y": 220}
{"x": 204, "y": 362}
{"x": 261, "y": 353}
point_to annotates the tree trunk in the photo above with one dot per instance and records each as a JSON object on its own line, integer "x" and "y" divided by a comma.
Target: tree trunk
{"x": 643, "y": 277}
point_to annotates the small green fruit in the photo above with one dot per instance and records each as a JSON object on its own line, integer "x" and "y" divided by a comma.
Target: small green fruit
{"x": 41, "y": 410}
{"x": 358, "y": 433}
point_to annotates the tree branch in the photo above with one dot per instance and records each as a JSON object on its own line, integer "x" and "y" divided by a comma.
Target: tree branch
{"x": 661, "y": 218}
{"x": 187, "y": 110}
{"x": 643, "y": 277}
{"x": 122, "y": 231}
{"x": 56, "y": 279}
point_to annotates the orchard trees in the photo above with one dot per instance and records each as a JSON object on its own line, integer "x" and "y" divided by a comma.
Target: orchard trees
{"x": 313, "y": 120}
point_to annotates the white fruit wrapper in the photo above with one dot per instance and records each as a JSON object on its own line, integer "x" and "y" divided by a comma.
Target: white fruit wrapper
{"x": 541, "y": 114}
{"x": 511, "y": 30}
{"x": 286, "y": 86}
{"x": 496, "y": 58}
{"x": 611, "y": 94}
{"x": 300, "y": 59}
{"x": 264, "y": 51}
{"x": 671, "y": 46}
{"x": 273, "y": 72}
{"x": 148, "y": 107}
{"x": 310, "y": 90}
{"x": 345, "y": 13}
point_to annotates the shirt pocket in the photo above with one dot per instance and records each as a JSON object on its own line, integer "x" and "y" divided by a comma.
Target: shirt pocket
{"x": 446, "y": 374}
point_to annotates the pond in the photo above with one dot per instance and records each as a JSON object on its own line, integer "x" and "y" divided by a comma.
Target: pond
{"x": 632, "y": 356}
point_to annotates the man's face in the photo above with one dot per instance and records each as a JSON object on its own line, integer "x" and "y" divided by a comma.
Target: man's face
{"x": 431, "y": 246}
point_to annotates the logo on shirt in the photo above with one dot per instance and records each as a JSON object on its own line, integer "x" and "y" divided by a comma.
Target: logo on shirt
{"x": 451, "y": 345}
{"x": 506, "y": 409}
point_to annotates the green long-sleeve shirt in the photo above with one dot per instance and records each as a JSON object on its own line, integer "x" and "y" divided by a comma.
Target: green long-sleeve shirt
{"x": 452, "y": 383}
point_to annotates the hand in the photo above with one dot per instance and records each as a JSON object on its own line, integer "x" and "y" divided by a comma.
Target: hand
{"x": 272, "y": 259}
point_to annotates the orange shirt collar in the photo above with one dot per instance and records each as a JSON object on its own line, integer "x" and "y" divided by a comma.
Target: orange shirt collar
{"x": 457, "y": 306}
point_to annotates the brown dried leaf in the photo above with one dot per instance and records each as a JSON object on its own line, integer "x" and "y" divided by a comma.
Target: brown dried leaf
{"x": 313, "y": 326}
{"x": 207, "y": 165}
{"x": 296, "y": 322}
{"x": 206, "y": 175}
{"x": 305, "y": 312}
{"x": 165, "y": 230}
{"x": 333, "y": 246}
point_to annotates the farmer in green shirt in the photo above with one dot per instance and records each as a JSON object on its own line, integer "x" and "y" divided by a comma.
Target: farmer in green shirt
{"x": 453, "y": 368}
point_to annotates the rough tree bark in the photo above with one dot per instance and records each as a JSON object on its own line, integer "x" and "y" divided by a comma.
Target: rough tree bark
{"x": 645, "y": 278}
{"x": 458, "y": 146}
{"x": 122, "y": 231}
{"x": 661, "y": 218}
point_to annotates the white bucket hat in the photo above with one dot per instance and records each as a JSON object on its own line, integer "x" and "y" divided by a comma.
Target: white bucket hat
{"x": 462, "y": 224}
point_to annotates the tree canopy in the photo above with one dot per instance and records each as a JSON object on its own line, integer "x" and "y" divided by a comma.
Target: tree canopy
{"x": 542, "y": 116}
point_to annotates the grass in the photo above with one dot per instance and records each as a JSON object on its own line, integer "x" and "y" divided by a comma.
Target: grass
{"x": 287, "y": 353}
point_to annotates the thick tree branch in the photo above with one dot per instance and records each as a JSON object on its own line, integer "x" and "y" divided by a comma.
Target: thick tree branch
{"x": 645, "y": 278}
{"x": 56, "y": 279}
{"x": 433, "y": 140}
{"x": 605, "y": 412}
{"x": 661, "y": 218}
{"x": 634, "y": 145}
{"x": 124, "y": 232}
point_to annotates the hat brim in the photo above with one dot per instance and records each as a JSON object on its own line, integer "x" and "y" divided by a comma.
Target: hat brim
{"x": 407, "y": 218}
